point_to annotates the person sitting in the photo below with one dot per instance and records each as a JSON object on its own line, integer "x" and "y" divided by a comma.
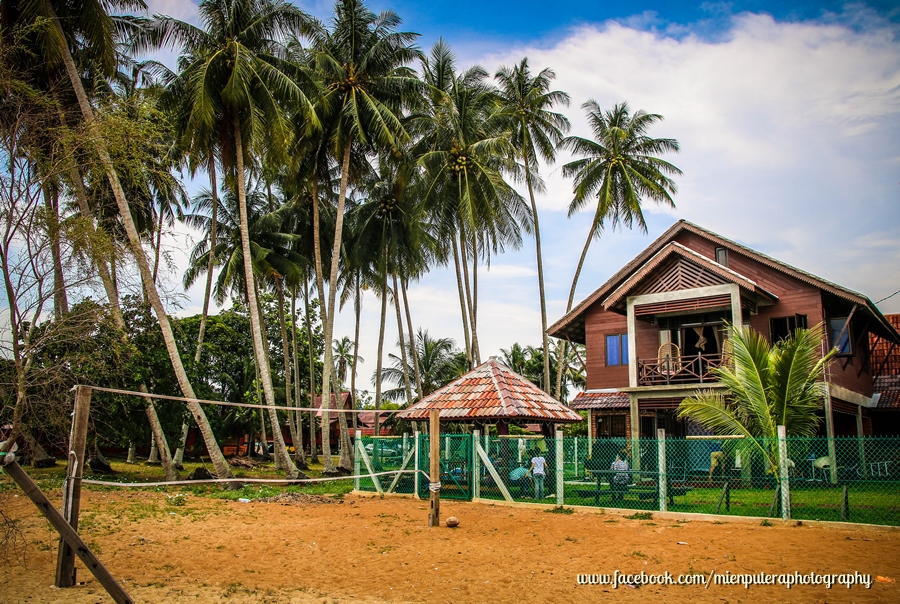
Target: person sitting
{"x": 619, "y": 483}
{"x": 716, "y": 459}
{"x": 518, "y": 478}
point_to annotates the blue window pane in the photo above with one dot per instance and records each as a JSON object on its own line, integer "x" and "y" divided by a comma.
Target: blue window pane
{"x": 624, "y": 349}
{"x": 837, "y": 329}
{"x": 613, "y": 356}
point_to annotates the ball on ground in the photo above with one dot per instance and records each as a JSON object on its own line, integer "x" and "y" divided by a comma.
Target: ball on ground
{"x": 452, "y": 522}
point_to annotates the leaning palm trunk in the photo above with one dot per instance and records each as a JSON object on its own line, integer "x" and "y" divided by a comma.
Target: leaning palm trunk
{"x": 560, "y": 363}
{"x": 357, "y": 310}
{"x": 253, "y": 309}
{"x": 60, "y": 301}
{"x": 288, "y": 393}
{"x": 218, "y": 460}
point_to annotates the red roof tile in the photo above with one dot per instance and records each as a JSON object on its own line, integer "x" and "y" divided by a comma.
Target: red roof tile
{"x": 601, "y": 400}
{"x": 492, "y": 391}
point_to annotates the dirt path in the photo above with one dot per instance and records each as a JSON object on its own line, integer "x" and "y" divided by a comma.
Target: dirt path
{"x": 374, "y": 550}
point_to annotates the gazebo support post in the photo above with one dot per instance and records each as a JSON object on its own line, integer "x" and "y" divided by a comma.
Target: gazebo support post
{"x": 434, "y": 442}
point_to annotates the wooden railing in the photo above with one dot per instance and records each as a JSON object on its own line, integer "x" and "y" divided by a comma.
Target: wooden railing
{"x": 694, "y": 369}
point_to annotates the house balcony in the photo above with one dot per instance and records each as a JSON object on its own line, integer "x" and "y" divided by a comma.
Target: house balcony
{"x": 674, "y": 370}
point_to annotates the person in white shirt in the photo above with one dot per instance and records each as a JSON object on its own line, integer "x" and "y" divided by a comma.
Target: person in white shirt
{"x": 538, "y": 471}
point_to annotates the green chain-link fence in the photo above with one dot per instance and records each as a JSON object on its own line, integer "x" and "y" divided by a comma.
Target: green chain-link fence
{"x": 854, "y": 479}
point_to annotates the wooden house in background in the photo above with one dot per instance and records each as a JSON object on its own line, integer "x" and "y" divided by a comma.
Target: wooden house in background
{"x": 657, "y": 328}
{"x": 886, "y": 403}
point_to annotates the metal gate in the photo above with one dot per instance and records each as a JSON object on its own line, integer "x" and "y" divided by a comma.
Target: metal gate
{"x": 456, "y": 466}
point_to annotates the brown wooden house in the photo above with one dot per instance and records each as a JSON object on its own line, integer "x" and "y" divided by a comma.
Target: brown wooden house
{"x": 656, "y": 329}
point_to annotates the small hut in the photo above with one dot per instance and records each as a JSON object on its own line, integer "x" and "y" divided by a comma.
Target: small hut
{"x": 492, "y": 393}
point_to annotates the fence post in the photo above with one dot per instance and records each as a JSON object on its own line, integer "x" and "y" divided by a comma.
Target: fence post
{"x": 405, "y": 444}
{"x": 476, "y": 465}
{"x": 863, "y": 466}
{"x": 434, "y": 458}
{"x": 663, "y": 483}
{"x": 576, "y": 455}
{"x": 356, "y": 460}
{"x": 71, "y": 507}
{"x": 783, "y": 475}
{"x": 560, "y": 468}
{"x": 416, "y": 436}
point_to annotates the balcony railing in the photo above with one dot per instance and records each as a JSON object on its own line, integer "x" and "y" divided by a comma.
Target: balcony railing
{"x": 693, "y": 369}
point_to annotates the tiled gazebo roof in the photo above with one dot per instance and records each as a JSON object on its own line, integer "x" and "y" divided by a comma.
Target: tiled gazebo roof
{"x": 492, "y": 391}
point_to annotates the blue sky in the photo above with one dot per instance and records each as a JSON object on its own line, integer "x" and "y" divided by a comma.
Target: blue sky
{"x": 788, "y": 115}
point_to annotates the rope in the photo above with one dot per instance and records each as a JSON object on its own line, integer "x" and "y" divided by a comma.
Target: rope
{"x": 296, "y": 481}
{"x": 230, "y": 404}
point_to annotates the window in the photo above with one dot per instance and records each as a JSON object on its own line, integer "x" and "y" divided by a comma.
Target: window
{"x": 839, "y": 337}
{"x": 722, "y": 256}
{"x": 617, "y": 349}
{"x": 611, "y": 426}
{"x": 782, "y": 327}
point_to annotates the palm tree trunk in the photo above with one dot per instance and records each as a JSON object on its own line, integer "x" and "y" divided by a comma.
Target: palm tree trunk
{"x": 299, "y": 455}
{"x": 253, "y": 307}
{"x": 412, "y": 341}
{"x": 212, "y": 255}
{"x": 154, "y": 450}
{"x": 162, "y": 445}
{"x": 357, "y": 310}
{"x": 222, "y": 468}
{"x": 329, "y": 315}
{"x": 158, "y": 246}
{"x": 60, "y": 300}
{"x": 473, "y": 300}
{"x": 378, "y": 364}
{"x": 313, "y": 455}
{"x": 403, "y": 357}
{"x": 462, "y": 302}
{"x": 286, "y": 357}
{"x": 545, "y": 342}
{"x": 131, "y": 453}
{"x": 562, "y": 355}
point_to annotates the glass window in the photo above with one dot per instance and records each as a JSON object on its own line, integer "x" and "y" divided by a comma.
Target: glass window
{"x": 839, "y": 337}
{"x": 782, "y": 327}
{"x": 617, "y": 349}
{"x": 613, "y": 350}
{"x": 722, "y": 256}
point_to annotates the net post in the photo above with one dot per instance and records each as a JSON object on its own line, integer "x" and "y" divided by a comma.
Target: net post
{"x": 476, "y": 466}
{"x": 71, "y": 507}
{"x": 560, "y": 467}
{"x": 434, "y": 445}
{"x": 356, "y": 459}
{"x": 663, "y": 483}
{"x": 783, "y": 475}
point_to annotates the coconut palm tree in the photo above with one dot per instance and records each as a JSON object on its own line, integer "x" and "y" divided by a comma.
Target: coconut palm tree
{"x": 536, "y": 132}
{"x": 619, "y": 168}
{"x": 466, "y": 154}
{"x": 241, "y": 89}
{"x": 88, "y": 28}
{"x": 345, "y": 356}
{"x": 767, "y": 386}
{"x": 439, "y": 360}
{"x": 363, "y": 64}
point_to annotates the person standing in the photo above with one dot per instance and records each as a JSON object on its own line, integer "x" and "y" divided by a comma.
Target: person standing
{"x": 716, "y": 459}
{"x": 538, "y": 470}
{"x": 619, "y": 483}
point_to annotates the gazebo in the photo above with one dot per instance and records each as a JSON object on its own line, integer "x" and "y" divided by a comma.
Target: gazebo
{"x": 492, "y": 393}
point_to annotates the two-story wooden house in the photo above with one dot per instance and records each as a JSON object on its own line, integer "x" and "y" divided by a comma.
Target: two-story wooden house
{"x": 657, "y": 328}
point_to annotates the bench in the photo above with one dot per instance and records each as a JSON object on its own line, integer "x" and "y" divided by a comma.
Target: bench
{"x": 644, "y": 492}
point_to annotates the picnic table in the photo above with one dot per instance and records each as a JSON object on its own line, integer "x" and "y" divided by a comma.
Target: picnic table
{"x": 644, "y": 492}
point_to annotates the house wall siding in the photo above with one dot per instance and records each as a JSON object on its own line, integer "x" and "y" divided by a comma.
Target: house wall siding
{"x": 597, "y": 325}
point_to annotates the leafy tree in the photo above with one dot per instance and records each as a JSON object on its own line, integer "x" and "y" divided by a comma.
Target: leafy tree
{"x": 767, "y": 386}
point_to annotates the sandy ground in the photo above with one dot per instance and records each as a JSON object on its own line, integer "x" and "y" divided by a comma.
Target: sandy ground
{"x": 380, "y": 550}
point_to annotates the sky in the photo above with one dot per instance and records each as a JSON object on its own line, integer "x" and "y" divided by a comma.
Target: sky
{"x": 787, "y": 113}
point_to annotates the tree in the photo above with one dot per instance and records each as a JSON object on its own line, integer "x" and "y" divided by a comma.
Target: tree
{"x": 362, "y": 61}
{"x": 241, "y": 88}
{"x": 767, "y": 386}
{"x": 536, "y": 132}
{"x": 439, "y": 360}
{"x": 618, "y": 170}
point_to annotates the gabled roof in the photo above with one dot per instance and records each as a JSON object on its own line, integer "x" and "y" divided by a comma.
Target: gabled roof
{"x": 571, "y": 326}
{"x": 492, "y": 391}
{"x": 346, "y": 403}
{"x": 887, "y": 388}
{"x": 675, "y": 249}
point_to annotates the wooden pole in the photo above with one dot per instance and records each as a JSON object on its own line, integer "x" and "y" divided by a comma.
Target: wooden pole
{"x": 845, "y": 504}
{"x": 725, "y": 494}
{"x": 67, "y": 533}
{"x": 434, "y": 442}
{"x": 71, "y": 507}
